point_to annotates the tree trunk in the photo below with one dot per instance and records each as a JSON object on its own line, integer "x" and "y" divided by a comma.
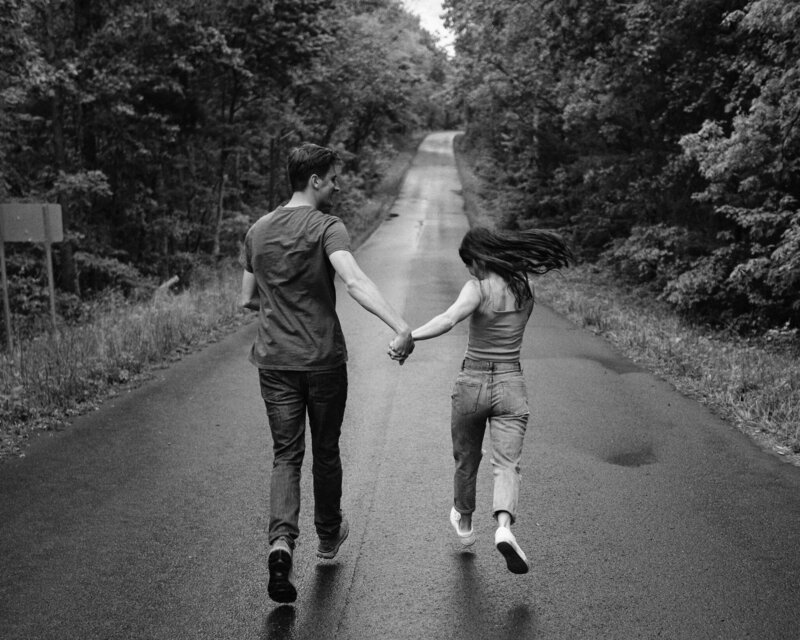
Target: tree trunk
{"x": 67, "y": 274}
{"x": 220, "y": 206}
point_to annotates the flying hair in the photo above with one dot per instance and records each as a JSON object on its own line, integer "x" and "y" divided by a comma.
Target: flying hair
{"x": 514, "y": 254}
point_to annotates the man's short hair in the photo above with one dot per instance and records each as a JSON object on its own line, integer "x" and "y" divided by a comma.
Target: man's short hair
{"x": 306, "y": 160}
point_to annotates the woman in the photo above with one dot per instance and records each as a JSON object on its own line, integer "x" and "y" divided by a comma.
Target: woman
{"x": 490, "y": 386}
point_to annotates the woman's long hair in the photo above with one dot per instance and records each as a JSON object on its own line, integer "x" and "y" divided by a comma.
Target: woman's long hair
{"x": 514, "y": 254}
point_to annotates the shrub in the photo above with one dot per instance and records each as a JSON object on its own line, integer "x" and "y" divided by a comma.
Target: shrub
{"x": 653, "y": 255}
{"x": 704, "y": 291}
{"x": 97, "y": 273}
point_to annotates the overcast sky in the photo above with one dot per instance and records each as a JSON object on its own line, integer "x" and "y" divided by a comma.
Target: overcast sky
{"x": 429, "y": 12}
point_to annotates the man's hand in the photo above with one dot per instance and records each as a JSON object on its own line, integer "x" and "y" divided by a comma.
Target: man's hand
{"x": 252, "y": 305}
{"x": 401, "y": 347}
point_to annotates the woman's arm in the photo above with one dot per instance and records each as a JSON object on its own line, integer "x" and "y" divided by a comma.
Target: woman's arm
{"x": 467, "y": 301}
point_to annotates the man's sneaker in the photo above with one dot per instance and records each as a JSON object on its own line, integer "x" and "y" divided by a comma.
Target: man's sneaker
{"x": 329, "y": 547}
{"x": 467, "y": 537}
{"x": 506, "y": 544}
{"x": 281, "y": 575}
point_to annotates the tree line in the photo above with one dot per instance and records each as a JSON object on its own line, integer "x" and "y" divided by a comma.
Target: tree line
{"x": 663, "y": 137}
{"x": 162, "y": 127}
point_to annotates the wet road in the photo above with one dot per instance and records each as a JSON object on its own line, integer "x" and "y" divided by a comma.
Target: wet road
{"x": 643, "y": 515}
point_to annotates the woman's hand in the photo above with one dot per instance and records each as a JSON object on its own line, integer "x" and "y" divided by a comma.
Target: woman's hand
{"x": 401, "y": 347}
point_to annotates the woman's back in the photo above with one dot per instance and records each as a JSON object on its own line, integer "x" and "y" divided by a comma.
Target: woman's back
{"x": 496, "y": 327}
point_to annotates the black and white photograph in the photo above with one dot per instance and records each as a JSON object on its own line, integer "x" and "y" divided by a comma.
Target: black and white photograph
{"x": 400, "y": 320}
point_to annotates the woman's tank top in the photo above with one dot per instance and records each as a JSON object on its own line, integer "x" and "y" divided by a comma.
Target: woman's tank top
{"x": 496, "y": 335}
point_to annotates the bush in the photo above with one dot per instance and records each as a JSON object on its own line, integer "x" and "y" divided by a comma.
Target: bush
{"x": 704, "y": 291}
{"x": 653, "y": 255}
{"x": 98, "y": 273}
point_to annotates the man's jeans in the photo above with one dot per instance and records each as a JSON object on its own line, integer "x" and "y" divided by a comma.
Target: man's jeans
{"x": 288, "y": 395}
{"x": 493, "y": 392}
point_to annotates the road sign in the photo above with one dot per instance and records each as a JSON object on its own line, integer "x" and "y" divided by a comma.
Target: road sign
{"x": 28, "y": 222}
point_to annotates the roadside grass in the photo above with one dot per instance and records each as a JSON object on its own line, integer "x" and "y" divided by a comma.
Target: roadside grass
{"x": 54, "y": 377}
{"x": 752, "y": 384}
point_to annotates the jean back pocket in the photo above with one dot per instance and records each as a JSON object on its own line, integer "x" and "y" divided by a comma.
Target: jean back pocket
{"x": 466, "y": 394}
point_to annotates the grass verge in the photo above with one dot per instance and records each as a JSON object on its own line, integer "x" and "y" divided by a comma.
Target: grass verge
{"x": 53, "y": 378}
{"x": 752, "y": 384}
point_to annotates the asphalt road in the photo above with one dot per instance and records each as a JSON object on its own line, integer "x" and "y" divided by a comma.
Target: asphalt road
{"x": 642, "y": 514}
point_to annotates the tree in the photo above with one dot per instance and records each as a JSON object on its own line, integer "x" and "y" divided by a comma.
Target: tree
{"x": 653, "y": 133}
{"x": 162, "y": 127}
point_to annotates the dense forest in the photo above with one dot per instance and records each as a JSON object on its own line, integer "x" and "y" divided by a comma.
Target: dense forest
{"x": 162, "y": 127}
{"x": 662, "y": 136}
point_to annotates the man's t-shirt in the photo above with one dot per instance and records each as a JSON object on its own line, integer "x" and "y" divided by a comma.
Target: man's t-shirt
{"x": 287, "y": 251}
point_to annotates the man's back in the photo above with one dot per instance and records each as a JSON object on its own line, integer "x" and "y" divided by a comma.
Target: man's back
{"x": 287, "y": 251}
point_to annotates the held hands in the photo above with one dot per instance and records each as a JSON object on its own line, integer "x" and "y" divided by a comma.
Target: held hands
{"x": 401, "y": 347}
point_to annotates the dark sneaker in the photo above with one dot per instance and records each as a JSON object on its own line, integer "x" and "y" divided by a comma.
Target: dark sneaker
{"x": 329, "y": 547}
{"x": 281, "y": 575}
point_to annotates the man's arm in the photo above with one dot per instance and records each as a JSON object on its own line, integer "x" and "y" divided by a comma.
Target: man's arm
{"x": 364, "y": 291}
{"x": 249, "y": 298}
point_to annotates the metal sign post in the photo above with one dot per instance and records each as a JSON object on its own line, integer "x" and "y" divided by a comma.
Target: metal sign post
{"x": 6, "y": 305}
{"x": 23, "y": 222}
{"x": 51, "y": 283}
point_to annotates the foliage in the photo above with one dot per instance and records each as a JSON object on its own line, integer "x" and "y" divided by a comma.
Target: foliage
{"x": 622, "y": 122}
{"x": 162, "y": 127}
{"x": 653, "y": 255}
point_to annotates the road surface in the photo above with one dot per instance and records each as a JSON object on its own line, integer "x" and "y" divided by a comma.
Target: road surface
{"x": 642, "y": 514}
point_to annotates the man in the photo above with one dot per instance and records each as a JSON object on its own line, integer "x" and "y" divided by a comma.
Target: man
{"x": 290, "y": 256}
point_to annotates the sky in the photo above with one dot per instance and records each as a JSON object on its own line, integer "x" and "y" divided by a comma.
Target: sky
{"x": 429, "y": 12}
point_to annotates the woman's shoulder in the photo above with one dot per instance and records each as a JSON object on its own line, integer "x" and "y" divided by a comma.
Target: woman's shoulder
{"x": 473, "y": 287}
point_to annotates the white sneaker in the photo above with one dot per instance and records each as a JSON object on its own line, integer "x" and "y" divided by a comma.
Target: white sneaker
{"x": 467, "y": 537}
{"x": 506, "y": 544}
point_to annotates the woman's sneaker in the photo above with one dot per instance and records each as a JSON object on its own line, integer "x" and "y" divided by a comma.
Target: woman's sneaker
{"x": 467, "y": 537}
{"x": 281, "y": 574}
{"x": 506, "y": 544}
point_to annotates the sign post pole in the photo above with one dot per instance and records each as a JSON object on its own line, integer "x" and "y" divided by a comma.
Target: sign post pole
{"x": 49, "y": 259}
{"x": 6, "y": 304}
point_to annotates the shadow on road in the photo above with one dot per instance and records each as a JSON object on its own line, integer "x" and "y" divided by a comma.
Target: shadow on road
{"x": 324, "y": 591}
{"x": 478, "y": 613}
{"x": 321, "y": 606}
{"x": 519, "y": 623}
{"x": 280, "y": 623}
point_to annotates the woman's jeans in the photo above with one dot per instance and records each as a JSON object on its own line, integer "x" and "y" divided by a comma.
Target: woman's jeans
{"x": 494, "y": 393}
{"x": 288, "y": 396}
